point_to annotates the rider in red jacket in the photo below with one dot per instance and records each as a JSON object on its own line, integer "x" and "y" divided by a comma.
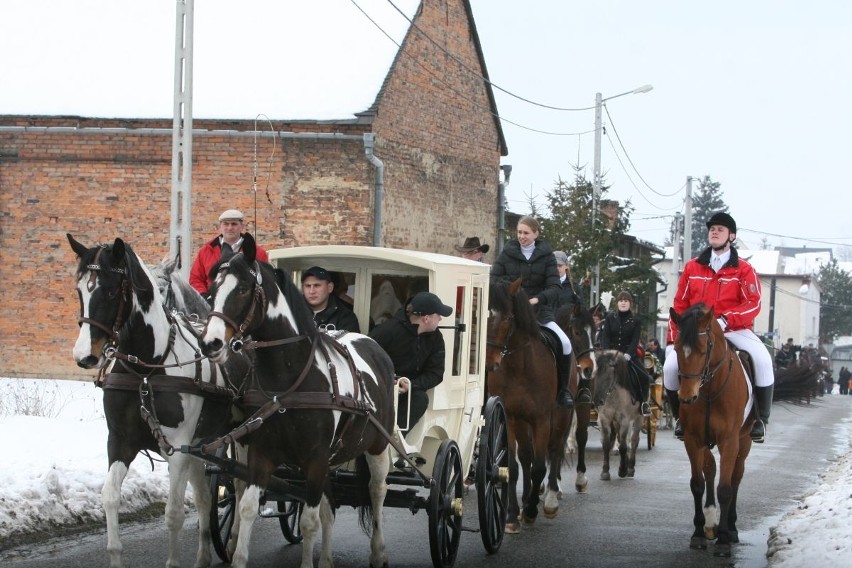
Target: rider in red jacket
{"x": 728, "y": 285}
{"x": 231, "y": 225}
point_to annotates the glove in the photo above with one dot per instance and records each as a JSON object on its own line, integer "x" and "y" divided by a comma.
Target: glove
{"x": 626, "y": 357}
{"x": 722, "y": 323}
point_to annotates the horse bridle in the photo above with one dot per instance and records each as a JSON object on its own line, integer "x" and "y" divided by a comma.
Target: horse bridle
{"x": 123, "y": 301}
{"x": 706, "y": 373}
{"x": 504, "y": 348}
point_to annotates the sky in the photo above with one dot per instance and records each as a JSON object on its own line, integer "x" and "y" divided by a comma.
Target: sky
{"x": 753, "y": 94}
{"x": 62, "y": 482}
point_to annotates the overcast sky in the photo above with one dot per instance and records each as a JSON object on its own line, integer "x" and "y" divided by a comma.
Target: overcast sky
{"x": 754, "y": 94}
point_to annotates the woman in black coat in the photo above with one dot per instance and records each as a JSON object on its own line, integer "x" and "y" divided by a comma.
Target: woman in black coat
{"x": 620, "y": 331}
{"x": 532, "y": 260}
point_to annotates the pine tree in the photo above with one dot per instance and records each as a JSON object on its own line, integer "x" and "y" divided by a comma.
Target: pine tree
{"x": 835, "y": 312}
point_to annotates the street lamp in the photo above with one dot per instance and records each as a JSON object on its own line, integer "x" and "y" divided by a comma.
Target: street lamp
{"x": 594, "y": 294}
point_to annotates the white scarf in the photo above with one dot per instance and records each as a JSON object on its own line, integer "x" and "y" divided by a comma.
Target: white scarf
{"x": 528, "y": 250}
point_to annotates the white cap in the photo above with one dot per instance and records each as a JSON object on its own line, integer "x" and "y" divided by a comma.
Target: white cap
{"x": 231, "y": 214}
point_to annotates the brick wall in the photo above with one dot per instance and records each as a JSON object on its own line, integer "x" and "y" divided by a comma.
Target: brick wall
{"x": 103, "y": 178}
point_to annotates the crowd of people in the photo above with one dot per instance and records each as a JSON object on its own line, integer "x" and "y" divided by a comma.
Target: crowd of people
{"x": 417, "y": 348}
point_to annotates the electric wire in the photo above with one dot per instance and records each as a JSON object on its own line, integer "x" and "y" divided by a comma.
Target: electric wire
{"x": 452, "y": 88}
{"x": 477, "y": 74}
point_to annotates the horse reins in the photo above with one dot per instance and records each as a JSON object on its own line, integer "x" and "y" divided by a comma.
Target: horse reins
{"x": 504, "y": 348}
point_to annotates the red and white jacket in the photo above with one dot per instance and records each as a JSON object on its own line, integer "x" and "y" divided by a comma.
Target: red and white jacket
{"x": 732, "y": 293}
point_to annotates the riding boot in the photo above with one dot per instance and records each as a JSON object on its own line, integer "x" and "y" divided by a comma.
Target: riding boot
{"x": 763, "y": 403}
{"x": 645, "y": 392}
{"x": 674, "y": 402}
{"x": 563, "y": 372}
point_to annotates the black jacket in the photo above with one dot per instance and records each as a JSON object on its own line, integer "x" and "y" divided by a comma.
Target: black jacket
{"x": 420, "y": 357}
{"x": 540, "y": 276}
{"x": 570, "y": 294}
{"x": 337, "y": 315}
{"x": 620, "y": 330}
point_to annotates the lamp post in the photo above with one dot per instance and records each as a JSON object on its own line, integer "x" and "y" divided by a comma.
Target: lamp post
{"x": 594, "y": 293}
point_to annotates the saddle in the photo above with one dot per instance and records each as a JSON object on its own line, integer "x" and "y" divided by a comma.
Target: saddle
{"x": 748, "y": 363}
{"x": 551, "y": 341}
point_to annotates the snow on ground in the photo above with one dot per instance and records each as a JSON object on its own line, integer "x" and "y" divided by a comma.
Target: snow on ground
{"x": 54, "y": 463}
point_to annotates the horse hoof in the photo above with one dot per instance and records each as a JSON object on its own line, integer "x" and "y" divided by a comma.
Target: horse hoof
{"x": 605, "y": 476}
{"x": 527, "y": 520}
{"x": 722, "y": 550}
{"x": 710, "y": 533}
{"x": 584, "y": 488}
{"x": 551, "y": 513}
{"x": 698, "y": 543}
{"x": 559, "y": 495}
{"x": 622, "y": 473}
{"x": 512, "y": 528}
{"x": 631, "y": 472}
{"x": 734, "y": 537}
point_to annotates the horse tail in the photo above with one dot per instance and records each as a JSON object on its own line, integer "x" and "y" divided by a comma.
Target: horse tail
{"x": 365, "y": 509}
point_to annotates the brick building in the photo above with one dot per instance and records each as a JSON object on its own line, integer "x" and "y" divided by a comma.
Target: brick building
{"x": 436, "y": 131}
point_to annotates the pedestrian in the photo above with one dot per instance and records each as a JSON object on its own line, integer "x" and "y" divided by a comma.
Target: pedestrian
{"x": 530, "y": 258}
{"x": 230, "y": 239}
{"x": 729, "y": 286}
{"x": 472, "y": 249}
{"x": 620, "y": 331}
{"x": 570, "y": 293}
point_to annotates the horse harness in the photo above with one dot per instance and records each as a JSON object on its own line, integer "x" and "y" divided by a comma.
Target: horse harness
{"x": 705, "y": 376}
{"x": 270, "y": 403}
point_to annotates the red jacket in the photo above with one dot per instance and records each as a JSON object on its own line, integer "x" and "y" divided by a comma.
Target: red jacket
{"x": 206, "y": 259}
{"x": 733, "y": 292}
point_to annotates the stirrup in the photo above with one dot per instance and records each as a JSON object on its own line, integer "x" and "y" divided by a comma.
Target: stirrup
{"x": 758, "y": 432}
{"x": 646, "y": 409}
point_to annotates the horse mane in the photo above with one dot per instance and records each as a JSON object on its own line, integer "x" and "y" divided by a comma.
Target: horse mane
{"x": 501, "y": 300}
{"x": 688, "y": 324}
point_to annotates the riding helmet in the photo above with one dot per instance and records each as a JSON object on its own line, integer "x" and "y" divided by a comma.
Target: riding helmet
{"x": 722, "y": 218}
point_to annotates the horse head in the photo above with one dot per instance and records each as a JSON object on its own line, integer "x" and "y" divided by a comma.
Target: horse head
{"x": 509, "y": 313}
{"x": 700, "y": 348}
{"x": 111, "y": 284}
{"x": 577, "y": 323}
{"x": 610, "y": 372}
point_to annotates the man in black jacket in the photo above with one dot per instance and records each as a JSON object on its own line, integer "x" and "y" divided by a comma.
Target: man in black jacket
{"x": 416, "y": 347}
{"x": 317, "y": 286}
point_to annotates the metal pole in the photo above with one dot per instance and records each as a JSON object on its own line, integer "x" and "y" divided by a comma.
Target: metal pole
{"x": 687, "y": 224}
{"x": 180, "y": 227}
{"x": 772, "y": 307}
{"x": 594, "y": 293}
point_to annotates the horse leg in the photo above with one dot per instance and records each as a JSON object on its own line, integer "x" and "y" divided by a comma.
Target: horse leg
{"x": 711, "y": 511}
{"x": 110, "y": 500}
{"x": 513, "y": 526}
{"x": 175, "y": 513}
{"x": 316, "y": 473}
{"x": 203, "y": 503}
{"x": 379, "y": 466}
{"x": 622, "y": 448}
{"x": 739, "y": 471}
{"x": 728, "y": 456}
{"x": 529, "y": 487}
{"x": 247, "y": 511}
{"x": 696, "y": 486}
{"x": 582, "y": 410}
{"x": 556, "y": 455}
{"x": 239, "y": 491}
{"x": 606, "y": 444}
{"x": 634, "y": 443}
{"x": 326, "y": 518}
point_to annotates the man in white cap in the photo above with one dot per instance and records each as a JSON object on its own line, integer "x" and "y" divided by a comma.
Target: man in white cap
{"x": 230, "y": 239}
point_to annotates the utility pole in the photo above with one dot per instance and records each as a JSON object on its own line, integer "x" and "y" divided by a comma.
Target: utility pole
{"x": 687, "y": 224}
{"x": 180, "y": 227}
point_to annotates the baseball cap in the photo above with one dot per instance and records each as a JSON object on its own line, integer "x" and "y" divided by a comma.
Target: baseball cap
{"x": 317, "y": 272}
{"x": 231, "y": 214}
{"x": 426, "y": 303}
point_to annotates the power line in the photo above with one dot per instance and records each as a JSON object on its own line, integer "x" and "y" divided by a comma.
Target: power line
{"x": 451, "y": 87}
{"x": 477, "y": 74}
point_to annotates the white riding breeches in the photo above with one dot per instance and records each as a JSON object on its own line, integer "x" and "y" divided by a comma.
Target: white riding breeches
{"x": 743, "y": 339}
{"x": 566, "y": 343}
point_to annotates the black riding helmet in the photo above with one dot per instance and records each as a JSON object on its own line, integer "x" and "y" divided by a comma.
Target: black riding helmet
{"x": 722, "y": 218}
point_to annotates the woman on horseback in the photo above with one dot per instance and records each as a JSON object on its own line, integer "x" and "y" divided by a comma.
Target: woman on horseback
{"x": 532, "y": 259}
{"x": 620, "y": 330}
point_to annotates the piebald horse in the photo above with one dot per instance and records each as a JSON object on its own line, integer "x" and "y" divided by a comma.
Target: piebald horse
{"x": 320, "y": 400}
{"x": 158, "y": 368}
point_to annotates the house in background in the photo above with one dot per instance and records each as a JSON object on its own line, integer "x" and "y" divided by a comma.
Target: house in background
{"x": 418, "y": 169}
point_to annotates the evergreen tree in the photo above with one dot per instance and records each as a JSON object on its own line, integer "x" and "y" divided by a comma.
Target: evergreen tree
{"x": 569, "y": 228}
{"x": 835, "y": 312}
{"x": 706, "y": 200}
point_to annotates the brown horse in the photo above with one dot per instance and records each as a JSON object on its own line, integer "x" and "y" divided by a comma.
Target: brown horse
{"x": 522, "y": 372}
{"x": 715, "y": 410}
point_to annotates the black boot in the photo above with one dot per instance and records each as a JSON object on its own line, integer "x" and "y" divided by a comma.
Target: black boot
{"x": 563, "y": 373}
{"x": 763, "y": 404}
{"x": 674, "y": 402}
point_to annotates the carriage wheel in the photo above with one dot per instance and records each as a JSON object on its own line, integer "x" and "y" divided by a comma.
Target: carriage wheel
{"x": 224, "y": 507}
{"x": 492, "y": 468}
{"x": 291, "y": 513}
{"x": 445, "y": 505}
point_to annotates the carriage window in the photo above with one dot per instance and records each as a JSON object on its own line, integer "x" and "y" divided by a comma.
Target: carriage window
{"x": 458, "y": 315}
{"x": 474, "y": 329}
{"x": 389, "y": 291}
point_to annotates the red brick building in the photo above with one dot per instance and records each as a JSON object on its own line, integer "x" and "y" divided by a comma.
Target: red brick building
{"x": 436, "y": 131}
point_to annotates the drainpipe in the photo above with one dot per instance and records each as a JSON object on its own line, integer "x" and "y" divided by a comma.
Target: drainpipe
{"x": 369, "y": 141}
{"x": 501, "y": 207}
